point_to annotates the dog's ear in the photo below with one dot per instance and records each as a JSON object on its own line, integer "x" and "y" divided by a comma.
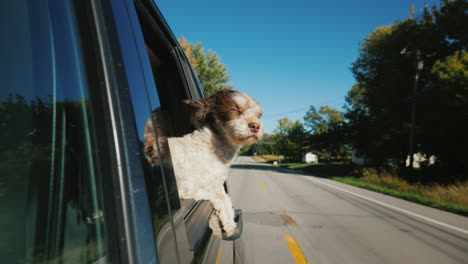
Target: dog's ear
{"x": 204, "y": 111}
{"x": 199, "y": 110}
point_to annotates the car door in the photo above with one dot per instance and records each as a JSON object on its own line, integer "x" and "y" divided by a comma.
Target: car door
{"x": 79, "y": 82}
{"x": 175, "y": 82}
{"x": 57, "y": 190}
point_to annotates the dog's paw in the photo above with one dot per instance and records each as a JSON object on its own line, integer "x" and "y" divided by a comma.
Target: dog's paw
{"x": 230, "y": 229}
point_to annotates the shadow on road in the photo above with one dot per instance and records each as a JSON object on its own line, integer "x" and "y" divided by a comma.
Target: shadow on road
{"x": 253, "y": 167}
{"x": 319, "y": 170}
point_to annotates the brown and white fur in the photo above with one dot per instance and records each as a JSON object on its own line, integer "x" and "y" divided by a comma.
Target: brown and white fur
{"x": 226, "y": 120}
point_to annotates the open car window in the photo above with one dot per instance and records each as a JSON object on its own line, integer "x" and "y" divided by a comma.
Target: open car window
{"x": 173, "y": 83}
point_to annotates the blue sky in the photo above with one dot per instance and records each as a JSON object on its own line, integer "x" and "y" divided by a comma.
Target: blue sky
{"x": 288, "y": 55}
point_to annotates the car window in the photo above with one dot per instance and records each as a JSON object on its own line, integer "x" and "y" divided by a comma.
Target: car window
{"x": 158, "y": 183}
{"x": 51, "y": 197}
{"x": 171, "y": 75}
{"x": 149, "y": 96}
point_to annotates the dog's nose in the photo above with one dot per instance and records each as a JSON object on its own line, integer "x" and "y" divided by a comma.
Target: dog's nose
{"x": 254, "y": 127}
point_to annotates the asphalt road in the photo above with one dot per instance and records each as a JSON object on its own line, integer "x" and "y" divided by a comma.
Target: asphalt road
{"x": 293, "y": 218}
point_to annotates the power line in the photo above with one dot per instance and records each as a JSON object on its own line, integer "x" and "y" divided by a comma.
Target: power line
{"x": 266, "y": 116}
{"x": 288, "y": 112}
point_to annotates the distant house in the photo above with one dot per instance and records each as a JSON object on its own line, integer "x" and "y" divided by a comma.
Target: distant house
{"x": 419, "y": 158}
{"x": 309, "y": 157}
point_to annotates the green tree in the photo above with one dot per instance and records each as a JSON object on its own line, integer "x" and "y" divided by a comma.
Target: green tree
{"x": 385, "y": 78}
{"x": 265, "y": 146}
{"x": 446, "y": 104}
{"x": 326, "y": 131}
{"x": 380, "y": 104}
{"x": 323, "y": 120}
{"x": 211, "y": 72}
{"x": 452, "y": 21}
{"x": 289, "y": 139}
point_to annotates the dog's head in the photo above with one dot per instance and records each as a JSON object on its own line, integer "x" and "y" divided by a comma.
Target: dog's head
{"x": 235, "y": 115}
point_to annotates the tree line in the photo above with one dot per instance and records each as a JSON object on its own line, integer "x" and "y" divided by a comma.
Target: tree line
{"x": 410, "y": 96}
{"x": 411, "y": 90}
{"x": 321, "y": 131}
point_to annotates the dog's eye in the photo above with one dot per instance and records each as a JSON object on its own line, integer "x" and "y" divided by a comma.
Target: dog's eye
{"x": 235, "y": 110}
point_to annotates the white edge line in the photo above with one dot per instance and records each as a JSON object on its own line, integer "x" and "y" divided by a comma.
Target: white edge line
{"x": 461, "y": 230}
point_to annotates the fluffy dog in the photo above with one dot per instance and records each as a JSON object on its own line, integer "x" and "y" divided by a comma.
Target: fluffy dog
{"x": 225, "y": 121}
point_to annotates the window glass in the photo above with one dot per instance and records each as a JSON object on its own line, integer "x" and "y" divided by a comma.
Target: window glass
{"x": 171, "y": 118}
{"x": 50, "y": 189}
{"x": 160, "y": 184}
{"x": 161, "y": 198}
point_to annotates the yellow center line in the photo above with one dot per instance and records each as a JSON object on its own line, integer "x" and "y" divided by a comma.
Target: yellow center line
{"x": 219, "y": 255}
{"x": 295, "y": 250}
{"x": 262, "y": 186}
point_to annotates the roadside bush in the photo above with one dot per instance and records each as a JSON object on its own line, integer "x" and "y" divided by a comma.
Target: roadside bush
{"x": 455, "y": 193}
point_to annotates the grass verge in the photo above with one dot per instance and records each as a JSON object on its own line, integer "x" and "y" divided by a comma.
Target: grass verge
{"x": 409, "y": 196}
{"x": 452, "y": 198}
{"x": 267, "y": 158}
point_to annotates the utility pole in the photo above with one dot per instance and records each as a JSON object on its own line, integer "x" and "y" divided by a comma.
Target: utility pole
{"x": 419, "y": 66}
